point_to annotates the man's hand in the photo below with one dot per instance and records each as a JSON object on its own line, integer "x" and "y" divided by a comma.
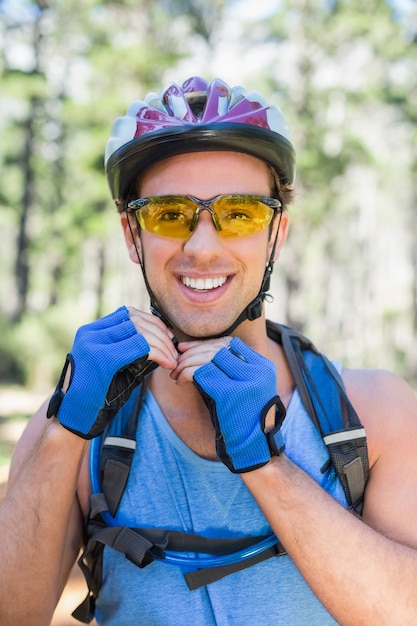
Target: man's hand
{"x": 238, "y": 387}
{"x": 109, "y": 358}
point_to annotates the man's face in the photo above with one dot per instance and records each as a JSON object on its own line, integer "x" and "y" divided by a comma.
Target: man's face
{"x": 204, "y": 282}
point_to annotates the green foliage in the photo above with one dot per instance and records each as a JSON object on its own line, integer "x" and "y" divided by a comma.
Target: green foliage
{"x": 12, "y": 369}
{"x": 33, "y": 352}
{"x": 345, "y": 75}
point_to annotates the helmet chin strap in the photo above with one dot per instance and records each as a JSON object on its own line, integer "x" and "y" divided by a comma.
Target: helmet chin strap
{"x": 251, "y": 312}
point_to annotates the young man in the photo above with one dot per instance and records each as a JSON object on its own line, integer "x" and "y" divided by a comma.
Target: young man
{"x": 201, "y": 175}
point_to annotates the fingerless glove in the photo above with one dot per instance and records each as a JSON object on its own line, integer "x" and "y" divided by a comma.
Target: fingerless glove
{"x": 108, "y": 360}
{"x": 239, "y": 387}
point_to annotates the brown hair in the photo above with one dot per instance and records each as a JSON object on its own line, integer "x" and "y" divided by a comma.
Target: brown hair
{"x": 284, "y": 192}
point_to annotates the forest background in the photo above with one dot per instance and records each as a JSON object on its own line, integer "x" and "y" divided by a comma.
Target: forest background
{"x": 345, "y": 74}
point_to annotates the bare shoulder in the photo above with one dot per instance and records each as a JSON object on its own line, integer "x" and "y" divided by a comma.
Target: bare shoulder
{"x": 385, "y": 403}
{"x": 387, "y": 408}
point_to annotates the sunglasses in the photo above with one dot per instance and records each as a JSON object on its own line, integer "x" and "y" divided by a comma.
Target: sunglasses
{"x": 177, "y": 216}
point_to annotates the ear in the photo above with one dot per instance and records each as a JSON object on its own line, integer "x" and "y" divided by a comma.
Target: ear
{"x": 283, "y": 225}
{"x": 131, "y": 233}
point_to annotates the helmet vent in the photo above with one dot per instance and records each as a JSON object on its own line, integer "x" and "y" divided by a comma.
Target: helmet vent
{"x": 197, "y": 101}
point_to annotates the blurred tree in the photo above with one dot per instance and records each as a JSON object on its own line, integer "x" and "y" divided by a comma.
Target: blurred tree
{"x": 67, "y": 69}
{"x": 85, "y": 61}
{"x": 335, "y": 66}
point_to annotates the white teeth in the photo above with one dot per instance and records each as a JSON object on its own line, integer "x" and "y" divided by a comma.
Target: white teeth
{"x": 203, "y": 284}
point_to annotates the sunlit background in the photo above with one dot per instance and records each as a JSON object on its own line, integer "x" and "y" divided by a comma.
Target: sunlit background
{"x": 344, "y": 73}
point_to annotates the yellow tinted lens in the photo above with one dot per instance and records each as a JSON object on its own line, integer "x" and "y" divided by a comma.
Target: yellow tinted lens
{"x": 242, "y": 215}
{"x": 168, "y": 216}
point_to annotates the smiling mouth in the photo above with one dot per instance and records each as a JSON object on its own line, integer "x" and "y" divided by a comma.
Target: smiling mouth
{"x": 203, "y": 284}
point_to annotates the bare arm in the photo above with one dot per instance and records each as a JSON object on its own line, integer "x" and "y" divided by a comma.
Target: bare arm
{"x": 40, "y": 522}
{"x": 41, "y": 516}
{"x": 363, "y": 571}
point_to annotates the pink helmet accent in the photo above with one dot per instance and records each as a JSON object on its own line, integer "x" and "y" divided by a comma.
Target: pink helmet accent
{"x": 197, "y": 116}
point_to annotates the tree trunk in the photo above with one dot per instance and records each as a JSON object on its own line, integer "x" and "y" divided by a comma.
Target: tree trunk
{"x": 23, "y": 238}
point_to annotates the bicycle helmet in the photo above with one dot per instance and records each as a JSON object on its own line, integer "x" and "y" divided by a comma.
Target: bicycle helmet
{"x": 197, "y": 116}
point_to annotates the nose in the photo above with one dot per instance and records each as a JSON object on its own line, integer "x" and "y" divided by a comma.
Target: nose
{"x": 204, "y": 240}
{"x": 205, "y": 205}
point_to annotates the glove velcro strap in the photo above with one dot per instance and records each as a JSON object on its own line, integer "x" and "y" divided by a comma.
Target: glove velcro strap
{"x": 58, "y": 395}
{"x": 274, "y": 437}
{"x": 275, "y": 442}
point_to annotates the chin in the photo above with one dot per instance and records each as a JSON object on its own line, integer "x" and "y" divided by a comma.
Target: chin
{"x": 201, "y": 329}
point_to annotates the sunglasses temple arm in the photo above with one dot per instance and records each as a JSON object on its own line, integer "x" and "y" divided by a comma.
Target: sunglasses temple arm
{"x": 274, "y": 247}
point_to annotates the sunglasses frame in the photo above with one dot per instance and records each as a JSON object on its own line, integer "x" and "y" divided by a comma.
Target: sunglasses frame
{"x": 205, "y": 205}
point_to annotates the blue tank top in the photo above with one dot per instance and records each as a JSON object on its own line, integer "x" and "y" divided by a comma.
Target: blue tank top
{"x": 172, "y": 487}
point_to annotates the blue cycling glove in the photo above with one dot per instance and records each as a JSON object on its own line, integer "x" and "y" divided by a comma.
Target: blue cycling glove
{"x": 239, "y": 387}
{"x": 108, "y": 360}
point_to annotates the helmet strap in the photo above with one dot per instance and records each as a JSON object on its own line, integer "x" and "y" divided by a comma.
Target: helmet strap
{"x": 153, "y": 306}
{"x": 251, "y": 312}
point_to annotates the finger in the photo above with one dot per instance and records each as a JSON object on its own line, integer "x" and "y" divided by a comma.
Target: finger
{"x": 184, "y": 370}
{"x": 159, "y": 338}
{"x": 162, "y": 350}
{"x": 196, "y": 354}
{"x": 139, "y": 317}
{"x": 209, "y": 344}
{"x": 183, "y": 376}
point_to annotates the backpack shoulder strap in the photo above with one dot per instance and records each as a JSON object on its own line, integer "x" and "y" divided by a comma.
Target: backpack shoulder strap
{"x": 323, "y": 394}
{"x": 112, "y": 463}
{"x": 117, "y": 447}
